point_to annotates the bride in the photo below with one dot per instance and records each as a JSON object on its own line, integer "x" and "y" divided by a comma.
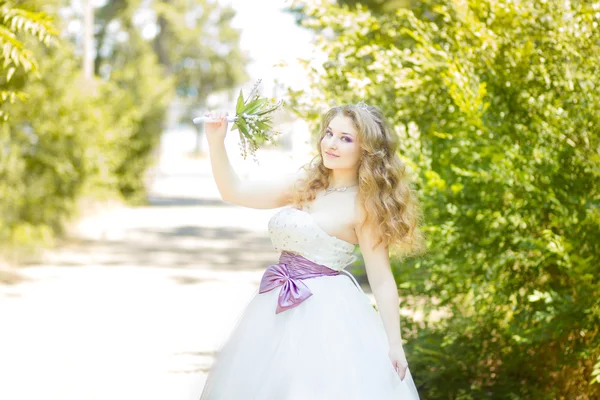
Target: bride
{"x": 310, "y": 332}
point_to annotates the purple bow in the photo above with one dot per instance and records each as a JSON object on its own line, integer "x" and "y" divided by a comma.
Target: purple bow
{"x": 288, "y": 273}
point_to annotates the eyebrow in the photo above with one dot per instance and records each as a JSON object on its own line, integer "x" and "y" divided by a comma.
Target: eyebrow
{"x": 343, "y": 133}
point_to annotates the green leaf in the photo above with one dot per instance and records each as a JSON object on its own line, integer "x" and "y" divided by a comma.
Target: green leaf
{"x": 241, "y": 123}
{"x": 263, "y": 126}
{"x": 254, "y": 105}
{"x": 268, "y": 110}
{"x": 240, "y": 103}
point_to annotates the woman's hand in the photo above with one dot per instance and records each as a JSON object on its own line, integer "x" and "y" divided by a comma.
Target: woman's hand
{"x": 398, "y": 358}
{"x": 216, "y": 131}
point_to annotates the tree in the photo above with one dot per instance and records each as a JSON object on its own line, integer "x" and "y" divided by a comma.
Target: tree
{"x": 497, "y": 108}
{"x": 15, "y": 21}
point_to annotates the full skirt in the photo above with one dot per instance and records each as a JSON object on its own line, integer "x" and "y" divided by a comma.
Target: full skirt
{"x": 331, "y": 346}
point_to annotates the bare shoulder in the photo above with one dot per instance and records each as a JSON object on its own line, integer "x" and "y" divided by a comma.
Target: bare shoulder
{"x": 367, "y": 233}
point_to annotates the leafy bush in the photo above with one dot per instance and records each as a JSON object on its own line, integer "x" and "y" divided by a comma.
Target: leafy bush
{"x": 64, "y": 141}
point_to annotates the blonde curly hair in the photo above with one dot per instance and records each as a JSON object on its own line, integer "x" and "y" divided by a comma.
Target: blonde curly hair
{"x": 390, "y": 203}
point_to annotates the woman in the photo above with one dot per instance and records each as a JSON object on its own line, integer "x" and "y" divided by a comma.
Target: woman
{"x": 310, "y": 332}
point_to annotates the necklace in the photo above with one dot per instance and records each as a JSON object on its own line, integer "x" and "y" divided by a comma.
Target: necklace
{"x": 342, "y": 189}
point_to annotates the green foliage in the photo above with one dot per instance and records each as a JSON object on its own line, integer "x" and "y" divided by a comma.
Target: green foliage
{"x": 64, "y": 141}
{"x": 74, "y": 137}
{"x": 497, "y": 107}
{"x": 14, "y": 55}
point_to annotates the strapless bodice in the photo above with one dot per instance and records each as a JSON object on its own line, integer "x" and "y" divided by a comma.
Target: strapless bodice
{"x": 296, "y": 230}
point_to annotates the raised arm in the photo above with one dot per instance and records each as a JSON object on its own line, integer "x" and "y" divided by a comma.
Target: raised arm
{"x": 272, "y": 193}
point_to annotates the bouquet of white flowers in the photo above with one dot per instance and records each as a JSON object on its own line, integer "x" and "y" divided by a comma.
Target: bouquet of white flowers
{"x": 253, "y": 120}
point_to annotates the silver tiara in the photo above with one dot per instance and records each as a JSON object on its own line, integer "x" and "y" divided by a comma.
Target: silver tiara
{"x": 363, "y": 106}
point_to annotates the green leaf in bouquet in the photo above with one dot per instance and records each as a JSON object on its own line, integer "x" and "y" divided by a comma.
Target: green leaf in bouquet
{"x": 240, "y": 103}
{"x": 243, "y": 127}
{"x": 260, "y": 140}
{"x": 268, "y": 110}
{"x": 254, "y": 106}
{"x": 263, "y": 126}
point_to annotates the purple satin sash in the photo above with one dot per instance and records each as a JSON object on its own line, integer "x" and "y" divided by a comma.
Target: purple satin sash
{"x": 288, "y": 273}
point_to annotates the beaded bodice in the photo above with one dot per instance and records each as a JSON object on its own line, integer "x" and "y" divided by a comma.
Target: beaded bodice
{"x": 296, "y": 231}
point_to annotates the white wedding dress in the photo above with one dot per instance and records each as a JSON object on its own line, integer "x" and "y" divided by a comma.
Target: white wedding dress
{"x": 330, "y": 346}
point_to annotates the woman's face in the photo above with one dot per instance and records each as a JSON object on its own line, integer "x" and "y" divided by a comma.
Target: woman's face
{"x": 341, "y": 141}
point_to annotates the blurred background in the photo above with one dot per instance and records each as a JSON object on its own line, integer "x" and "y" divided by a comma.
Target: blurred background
{"x": 122, "y": 270}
